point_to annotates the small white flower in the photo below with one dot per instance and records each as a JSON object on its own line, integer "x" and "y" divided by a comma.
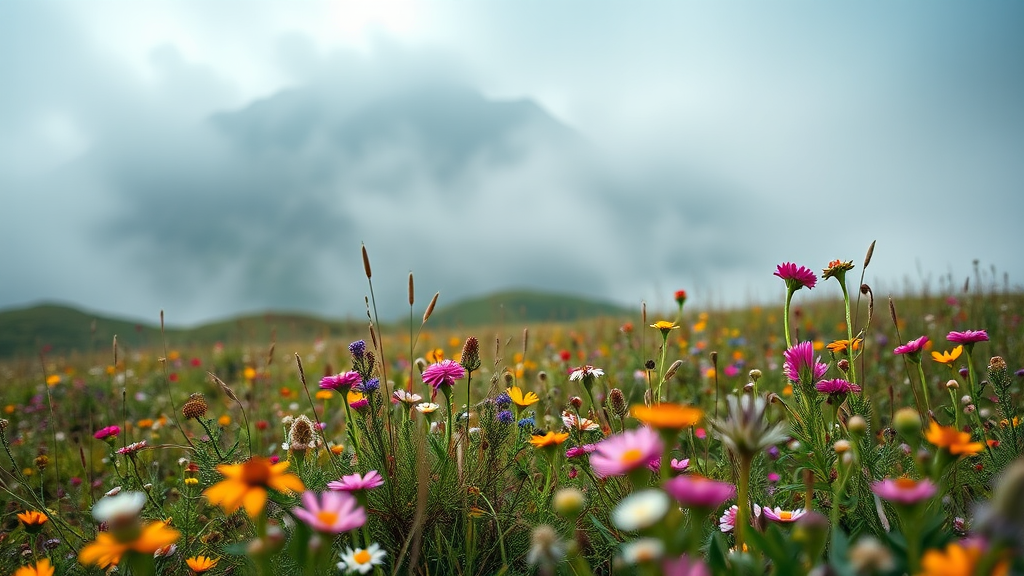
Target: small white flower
{"x": 640, "y": 510}
{"x": 427, "y": 407}
{"x": 642, "y": 550}
{"x": 586, "y": 371}
{"x": 118, "y": 506}
{"x": 361, "y": 560}
{"x": 407, "y": 397}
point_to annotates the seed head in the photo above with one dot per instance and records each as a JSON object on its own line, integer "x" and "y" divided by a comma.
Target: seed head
{"x": 195, "y": 407}
{"x": 617, "y": 401}
{"x": 470, "y": 359}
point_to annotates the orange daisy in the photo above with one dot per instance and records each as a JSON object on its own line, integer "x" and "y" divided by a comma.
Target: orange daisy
{"x": 948, "y": 358}
{"x": 32, "y": 520}
{"x": 843, "y": 345}
{"x": 246, "y": 485}
{"x": 549, "y": 439}
{"x": 42, "y": 568}
{"x": 957, "y": 558}
{"x": 107, "y": 550}
{"x": 667, "y": 416}
{"x": 200, "y": 564}
{"x": 952, "y": 440}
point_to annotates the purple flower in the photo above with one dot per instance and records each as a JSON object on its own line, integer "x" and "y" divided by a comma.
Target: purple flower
{"x": 968, "y": 336}
{"x": 779, "y": 515}
{"x": 357, "y": 349}
{"x": 904, "y": 490}
{"x": 444, "y": 373}
{"x": 799, "y": 362}
{"x": 371, "y": 385}
{"x": 694, "y": 491}
{"x": 684, "y": 566}
{"x": 796, "y": 277}
{"x": 343, "y": 381}
{"x": 355, "y": 482}
{"x": 506, "y": 417}
{"x": 580, "y": 450}
{"x": 503, "y": 400}
{"x": 836, "y": 386}
{"x": 912, "y": 347}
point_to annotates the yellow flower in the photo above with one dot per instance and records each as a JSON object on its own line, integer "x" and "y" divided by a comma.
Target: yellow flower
{"x": 107, "y": 550}
{"x": 667, "y": 416}
{"x": 191, "y": 481}
{"x": 32, "y": 520}
{"x": 665, "y": 326}
{"x": 200, "y": 564}
{"x": 224, "y": 420}
{"x": 53, "y": 379}
{"x": 956, "y": 560}
{"x": 42, "y": 568}
{"x": 249, "y": 373}
{"x": 323, "y": 395}
{"x": 520, "y": 399}
{"x": 549, "y": 439}
{"x": 952, "y": 440}
{"x": 247, "y": 483}
{"x": 353, "y": 396}
{"x": 948, "y": 358}
{"x": 843, "y": 345}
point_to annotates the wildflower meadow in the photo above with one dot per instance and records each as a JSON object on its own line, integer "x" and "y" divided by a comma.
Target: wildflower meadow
{"x": 837, "y": 432}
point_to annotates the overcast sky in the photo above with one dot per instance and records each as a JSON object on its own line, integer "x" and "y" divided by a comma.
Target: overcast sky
{"x": 208, "y": 158}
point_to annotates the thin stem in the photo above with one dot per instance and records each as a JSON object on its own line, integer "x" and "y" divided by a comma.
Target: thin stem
{"x": 785, "y": 318}
{"x": 849, "y": 330}
{"x": 743, "y": 506}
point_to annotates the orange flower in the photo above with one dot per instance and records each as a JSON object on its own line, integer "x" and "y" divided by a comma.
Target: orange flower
{"x": 33, "y": 520}
{"x": 247, "y": 483}
{"x": 107, "y": 550}
{"x": 42, "y": 568}
{"x": 952, "y": 440}
{"x": 843, "y": 345}
{"x": 948, "y": 358}
{"x": 200, "y": 564}
{"x": 956, "y": 559}
{"x": 549, "y": 439}
{"x": 667, "y": 416}
{"x": 522, "y": 400}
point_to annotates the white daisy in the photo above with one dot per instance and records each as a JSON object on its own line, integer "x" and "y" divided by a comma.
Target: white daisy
{"x": 361, "y": 560}
{"x": 642, "y": 550}
{"x": 640, "y": 510}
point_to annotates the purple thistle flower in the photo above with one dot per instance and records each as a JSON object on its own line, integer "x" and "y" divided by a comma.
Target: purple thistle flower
{"x": 444, "y": 373}
{"x": 968, "y": 336}
{"x": 343, "y": 381}
{"x": 503, "y": 400}
{"x": 357, "y": 349}
{"x": 796, "y": 277}
{"x": 799, "y": 362}
{"x": 836, "y": 386}
{"x": 506, "y": 417}
{"x": 371, "y": 385}
{"x": 698, "y": 492}
{"x": 912, "y": 347}
{"x": 904, "y": 490}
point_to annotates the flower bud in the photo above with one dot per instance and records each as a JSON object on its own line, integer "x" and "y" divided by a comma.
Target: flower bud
{"x": 857, "y": 426}
{"x": 965, "y": 400}
{"x": 844, "y": 365}
{"x": 569, "y": 503}
{"x": 907, "y": 422}
{"x": 755, "y": 375}
{"x": 576, "y": 402}
{"x": 617, "y": 402}
{"x": 842, "y": 446}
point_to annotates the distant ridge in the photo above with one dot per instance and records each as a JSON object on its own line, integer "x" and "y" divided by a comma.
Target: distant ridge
{"x": 63, "y": 329}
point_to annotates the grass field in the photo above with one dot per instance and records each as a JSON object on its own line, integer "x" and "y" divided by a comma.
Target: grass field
{"x": 764, "y": 440}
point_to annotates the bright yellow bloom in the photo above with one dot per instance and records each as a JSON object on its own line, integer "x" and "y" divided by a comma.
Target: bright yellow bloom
{"x": 957, "y": 560}
{"x": 246, "y": 485}
{"x": 522, "y": 400}
{"x": 665, "y": 326}
{"x": 952, "y": 440}
{"x": 249, "y": 373}
{"x": 33, "y": 520}
{"x": 42, "y": 568}
{"x": 145, "y": 423}
{"x": 107, "y": 550}
{"x": 353, "y": 396}
{"x": 667, "y": 416}
{"x": 948, "y": 358}
{"x": 191, "y": 481}
{"x": 224, "y": 420}
{"x": 200, "y": 564}
{"x": 843, "y": 345}
{"x": 53, "y": 379}
{"x": 549, "y": 439}
{"x": 323, "y": 394}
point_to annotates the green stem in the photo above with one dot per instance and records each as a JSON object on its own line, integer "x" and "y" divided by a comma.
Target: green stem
{"x": 924, "y": 386}
{"x": 849, "y": 332}
{"x": 785, "y": 317}
{"x": 743, "y": 506}
{"x": 661, "y": 367}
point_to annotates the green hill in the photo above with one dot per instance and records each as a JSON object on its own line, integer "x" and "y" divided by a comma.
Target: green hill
{"x": 60, "y": 329}
{"x": 523, "y": 306}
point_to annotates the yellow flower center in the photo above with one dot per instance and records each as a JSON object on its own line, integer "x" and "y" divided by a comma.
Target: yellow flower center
{"x": 905, "y": 483}
{"x": 786, "y": 515}
{"x": 327, "y": 517}
{"x": 362, "y": 557}
{"x": 632, "y": 456}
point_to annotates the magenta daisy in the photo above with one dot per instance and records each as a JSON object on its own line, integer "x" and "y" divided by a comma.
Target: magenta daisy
{"x": 581, "y": 450}
{"x": 355, "y": 482}
{"x": 728, "y": 520}
{"x": 779, "y": 515}
{"x": 616, "y": 455}
{"x": 343, "y": 381}
{"x": 904, "y": 490}
{"x": 968, "y": 337}
{"x": 331, "y": 513}
{"x": 800, "y": 365}
{"x": 796, "y": 277}
{"x": 912, "y": 347}
{"x": 836, "y": 387}
{"x": 693, "y": 491}
{"x": 443, "y": 373}
{"x": 132, "y": 448}
{"x": 107, "y": 432}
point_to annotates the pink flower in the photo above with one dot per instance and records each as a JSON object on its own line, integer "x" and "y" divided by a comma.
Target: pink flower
{"x": 684, "y": 566}
{"x": 731, "y": 370}
{"x": 836, "y": 387}
{"x": 904, "y": 490}
{"x": 132, "y": 448}
{"x": 574, "y": 422}
{"x": 800, "y": 364}
{"x": 680, "y": 465}
{"x": 443, "y": 373}
{"x": 108, "y": 432}
{"x": 796, "y": 277}
{"x": 331, "y": 513}
{"x": 580, "y": 450}
{"x": 694, "y": 491}
{"x": 728, "y": 520}
{"x": 354, "y": 482}
{"x": 622, "y": 453}
{"x": 912, "y": 347}
{"x": 343, "y": 381}
{"x": 968, "y": 337}
{"x": 779, "y": 515}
